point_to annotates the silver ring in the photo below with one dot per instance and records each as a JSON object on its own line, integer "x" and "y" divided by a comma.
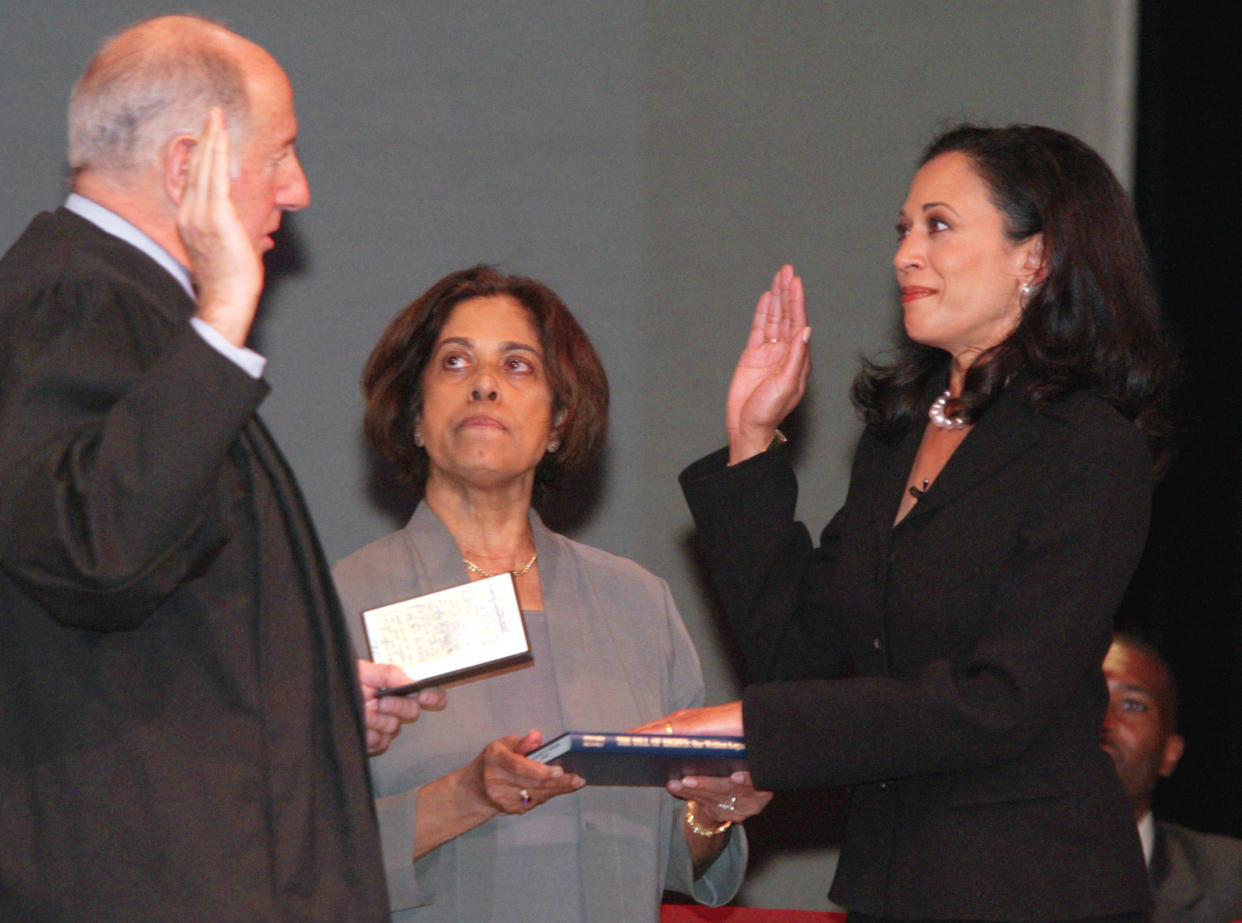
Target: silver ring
{"x": 731, "y": 806}
{"x": 525, "y": 798}
{"x": 772, "y": 339}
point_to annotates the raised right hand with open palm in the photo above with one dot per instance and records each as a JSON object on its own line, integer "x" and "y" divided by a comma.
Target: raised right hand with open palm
{"x": 771, "y": 373}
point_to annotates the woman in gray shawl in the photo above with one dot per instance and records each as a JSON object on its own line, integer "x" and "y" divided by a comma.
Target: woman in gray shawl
{"x": 479, "y": 391}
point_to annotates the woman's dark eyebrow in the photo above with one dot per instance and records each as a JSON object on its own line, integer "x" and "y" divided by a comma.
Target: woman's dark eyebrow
{"x": 506, "y": 346}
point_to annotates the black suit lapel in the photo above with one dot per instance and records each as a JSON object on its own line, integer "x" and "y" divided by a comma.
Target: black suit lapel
{"x": 1006, "y": 431}
{"x": 892, "y": 482}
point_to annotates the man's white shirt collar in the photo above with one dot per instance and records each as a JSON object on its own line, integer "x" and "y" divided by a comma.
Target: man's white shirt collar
{"x": 1147, "y": 834}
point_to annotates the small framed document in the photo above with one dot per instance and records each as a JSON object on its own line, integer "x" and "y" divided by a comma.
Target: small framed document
{"x": 450, "y": 633}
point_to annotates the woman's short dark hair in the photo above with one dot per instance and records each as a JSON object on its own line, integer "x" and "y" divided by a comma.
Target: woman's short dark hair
{"x": 393, "y": 378}
{"x": 1091, "y": 322}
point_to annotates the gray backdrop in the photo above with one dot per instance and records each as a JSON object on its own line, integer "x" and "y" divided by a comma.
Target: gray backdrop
{"x": 654, "y": 162}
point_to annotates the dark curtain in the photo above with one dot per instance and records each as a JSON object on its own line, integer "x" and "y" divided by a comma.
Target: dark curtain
{"x": 1187, "y": 595}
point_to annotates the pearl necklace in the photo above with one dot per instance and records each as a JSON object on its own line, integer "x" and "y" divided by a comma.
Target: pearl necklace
{"x": 936, "y": 414}
{"x": 474, "y": 568}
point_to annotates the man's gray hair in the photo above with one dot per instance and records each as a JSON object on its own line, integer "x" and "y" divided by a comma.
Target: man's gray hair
{"x": 148, "y": 84}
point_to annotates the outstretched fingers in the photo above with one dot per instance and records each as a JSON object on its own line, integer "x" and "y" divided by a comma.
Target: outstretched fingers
{"x": 778, "y": 327}
{"x": 770, "y": 376}
{"x": 761, "y": 322}
{"x": 218, "y": 180}
{"x": 795, "y": 303}
{"x": 781, "y": 312}
{"x": 224, "y": 260}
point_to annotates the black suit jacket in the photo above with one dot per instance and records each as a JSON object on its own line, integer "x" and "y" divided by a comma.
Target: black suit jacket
{"x": 973, "y": 633}
{"x": 182, "y": 737}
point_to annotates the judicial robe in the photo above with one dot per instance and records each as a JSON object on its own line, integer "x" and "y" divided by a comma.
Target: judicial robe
{"x": 182, "y": 735}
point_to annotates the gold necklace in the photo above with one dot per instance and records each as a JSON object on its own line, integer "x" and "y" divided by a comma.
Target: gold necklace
{"x": 474, "y": 568}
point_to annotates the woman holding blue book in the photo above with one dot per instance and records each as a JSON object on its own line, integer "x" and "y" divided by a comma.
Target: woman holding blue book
{"x": 483, "y": 391}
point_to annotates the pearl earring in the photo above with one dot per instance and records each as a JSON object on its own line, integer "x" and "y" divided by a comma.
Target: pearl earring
{"x": 553, "y": 445}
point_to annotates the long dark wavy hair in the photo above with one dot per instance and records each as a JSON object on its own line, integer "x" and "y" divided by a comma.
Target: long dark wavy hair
{"x": 1092, "y": 322}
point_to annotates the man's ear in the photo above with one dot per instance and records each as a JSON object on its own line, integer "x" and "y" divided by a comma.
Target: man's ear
{"x": 1174, "y": 747}
{"x": 175, "y": 166}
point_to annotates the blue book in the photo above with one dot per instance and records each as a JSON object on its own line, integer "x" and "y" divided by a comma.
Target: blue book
{"x": 642, "y": 759}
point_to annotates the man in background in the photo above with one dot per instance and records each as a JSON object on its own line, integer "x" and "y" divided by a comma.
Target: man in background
{"x": 182, "y": 731}
{"x": 1195, "y": 876}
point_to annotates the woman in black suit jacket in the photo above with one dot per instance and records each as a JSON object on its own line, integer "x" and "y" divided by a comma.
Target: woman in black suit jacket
{"x": 940, "y": 650}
